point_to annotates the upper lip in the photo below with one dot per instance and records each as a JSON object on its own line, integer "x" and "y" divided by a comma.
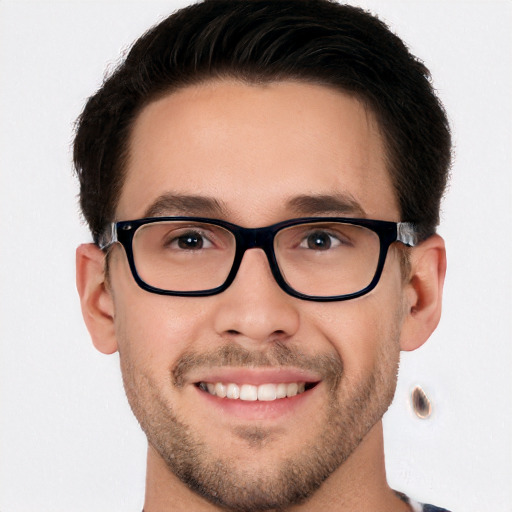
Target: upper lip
{"x": 253, "y": 376}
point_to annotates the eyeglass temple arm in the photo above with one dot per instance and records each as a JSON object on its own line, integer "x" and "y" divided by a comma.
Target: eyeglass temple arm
{"x": 108, "y": 238}
{"x": 406, "y": 233}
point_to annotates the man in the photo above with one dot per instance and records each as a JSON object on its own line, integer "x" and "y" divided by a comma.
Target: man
{"x": 262, "y": 181}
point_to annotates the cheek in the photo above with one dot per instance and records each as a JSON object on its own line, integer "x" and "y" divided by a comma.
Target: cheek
{"x": 351, "y": 329}
{"x": 153, "y": 330}
{"x": 363, "y": 329}
{"x": 158, "y": 327}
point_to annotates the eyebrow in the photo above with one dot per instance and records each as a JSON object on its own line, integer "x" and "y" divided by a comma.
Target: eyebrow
{"x": 341, "y": 204}
{"x": 172, "y": 204}
{"x": 168, "y": 205}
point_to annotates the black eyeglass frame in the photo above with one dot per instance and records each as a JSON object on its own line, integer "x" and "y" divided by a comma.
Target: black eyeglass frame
{"x": 262, "y": 238}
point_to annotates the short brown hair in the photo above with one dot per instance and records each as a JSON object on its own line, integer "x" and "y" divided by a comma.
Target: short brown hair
{"x": 317, "y": 41}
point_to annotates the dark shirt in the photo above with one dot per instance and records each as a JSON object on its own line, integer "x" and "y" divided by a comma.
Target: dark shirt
{"x": 419, "y": 507}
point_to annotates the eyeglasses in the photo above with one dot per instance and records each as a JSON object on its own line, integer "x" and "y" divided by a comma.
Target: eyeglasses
{"x": 319, "y": 259}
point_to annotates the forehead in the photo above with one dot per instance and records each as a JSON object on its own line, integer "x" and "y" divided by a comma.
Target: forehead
{"x": 257, "y": 152}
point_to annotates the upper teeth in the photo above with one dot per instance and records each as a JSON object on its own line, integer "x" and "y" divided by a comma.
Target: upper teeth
{"x": 266, "y": 392}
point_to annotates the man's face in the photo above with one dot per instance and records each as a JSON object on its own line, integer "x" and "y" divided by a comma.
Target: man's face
{"x": 251, "y": 152}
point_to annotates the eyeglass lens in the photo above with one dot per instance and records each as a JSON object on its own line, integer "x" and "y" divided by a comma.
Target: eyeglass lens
{"x": 316, "y": 259}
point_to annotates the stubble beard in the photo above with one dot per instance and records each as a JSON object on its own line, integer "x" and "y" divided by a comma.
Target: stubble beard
{"x": 351, "y": 411}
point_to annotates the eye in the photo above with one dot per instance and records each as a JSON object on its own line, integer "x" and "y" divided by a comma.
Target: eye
{"x": 191, "y": 241}
{"x": 320, "y": 241}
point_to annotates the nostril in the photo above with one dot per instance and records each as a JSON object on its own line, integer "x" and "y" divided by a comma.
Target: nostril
{"x": 278, "y": 336}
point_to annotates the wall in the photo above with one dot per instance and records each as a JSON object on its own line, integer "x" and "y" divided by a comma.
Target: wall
{"x": 68, "y": 441}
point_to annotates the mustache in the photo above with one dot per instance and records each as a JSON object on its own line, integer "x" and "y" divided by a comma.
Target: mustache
{"x": 278, "y": 355}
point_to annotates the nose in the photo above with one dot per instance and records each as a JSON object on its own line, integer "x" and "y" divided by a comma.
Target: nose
{"x": 254, "y": 308}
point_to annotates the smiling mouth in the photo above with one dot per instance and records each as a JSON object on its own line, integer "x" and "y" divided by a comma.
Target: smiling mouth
{"x": 248, "y": 392}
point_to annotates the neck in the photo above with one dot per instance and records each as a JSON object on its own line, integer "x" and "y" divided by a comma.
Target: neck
{"x": 358, "y": 484}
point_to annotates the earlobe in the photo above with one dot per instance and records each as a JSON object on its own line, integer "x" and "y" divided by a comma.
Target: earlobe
{"x": 95, "y": 297}
{"x": 424, "y": 292}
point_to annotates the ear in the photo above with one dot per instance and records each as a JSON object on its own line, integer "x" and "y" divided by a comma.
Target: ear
{"x": 95, "y": 297}
{"x": 424, "y": 292}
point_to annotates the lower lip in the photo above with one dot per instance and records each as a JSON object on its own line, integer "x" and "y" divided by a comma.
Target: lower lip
{"x": 258, "y": 409}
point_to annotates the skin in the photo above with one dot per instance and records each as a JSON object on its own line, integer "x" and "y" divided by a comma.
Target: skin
{"x": 254, "y": 148}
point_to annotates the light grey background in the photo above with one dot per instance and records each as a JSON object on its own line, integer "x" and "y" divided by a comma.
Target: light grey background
{"x": 68, "y": 441}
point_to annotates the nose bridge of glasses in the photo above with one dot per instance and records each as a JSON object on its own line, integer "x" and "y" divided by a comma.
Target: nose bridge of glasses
{"x": 257, "y": 238}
